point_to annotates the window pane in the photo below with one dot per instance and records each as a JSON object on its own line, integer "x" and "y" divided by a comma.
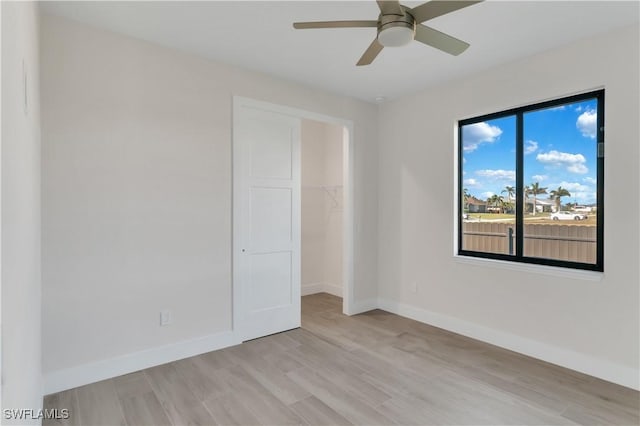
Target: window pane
{"x": 560, "y": 178}
{"x": 488, "y": 186}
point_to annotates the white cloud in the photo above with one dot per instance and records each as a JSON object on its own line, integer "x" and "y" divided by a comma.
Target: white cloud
{"x": 475, "y": 134}
{"x": 589, "y": 197}
{"x": 590, "y": 180}
{"x": 574, "y": 163}
{"x": 530, "y": 147}
{"x": 503, "y": 175}
{"x": 579, "y": 108}
{"x": 572, "y": 187}
{"x": 486, "y": 195}
{"x": 582, "y": 194}
{"x": 578, "y": 168}
{"x": 539, "y": 178}
{"x": 558, "y": 108}
{"x": 471, "y": 182}
{"x": 587, "y": 122}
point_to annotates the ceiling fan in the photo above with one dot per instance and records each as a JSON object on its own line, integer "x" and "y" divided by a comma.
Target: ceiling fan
{"x": 397, "y": 25}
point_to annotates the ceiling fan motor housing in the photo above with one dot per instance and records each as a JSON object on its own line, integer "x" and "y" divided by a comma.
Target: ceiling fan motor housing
{"x": 396, "y": 30}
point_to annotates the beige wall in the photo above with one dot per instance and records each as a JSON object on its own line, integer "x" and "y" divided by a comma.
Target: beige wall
{"x": 322, "y": 208}
{"x": 20, "y": 194}
{"x": 334, "y": 208}
{"x": 584, "y": 324}
{"x": 137, "y": 195}
{"x": 137, "y": 202}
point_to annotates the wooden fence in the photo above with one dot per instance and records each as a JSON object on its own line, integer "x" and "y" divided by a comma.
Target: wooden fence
{"x": 575, "y": 243}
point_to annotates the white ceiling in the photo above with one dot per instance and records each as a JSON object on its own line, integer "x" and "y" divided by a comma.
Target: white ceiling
{"x": 259, "y": 36}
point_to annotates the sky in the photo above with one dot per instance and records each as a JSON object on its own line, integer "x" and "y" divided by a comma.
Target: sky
{"x": 560, "y": 150}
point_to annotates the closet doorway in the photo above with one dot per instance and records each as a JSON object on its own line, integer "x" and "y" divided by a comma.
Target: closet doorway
{"x": 267, "y": 215}
{"x": 322, "y": 195}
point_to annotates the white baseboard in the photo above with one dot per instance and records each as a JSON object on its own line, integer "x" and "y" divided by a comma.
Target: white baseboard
{"x": 334, "y": 289}
{"x": 84, "y": 374}
{"x": 363, "y": 306}
{"x": 69, "y": 378}
{"x": 314, "y": 288}
{"x": 606, "y": 370}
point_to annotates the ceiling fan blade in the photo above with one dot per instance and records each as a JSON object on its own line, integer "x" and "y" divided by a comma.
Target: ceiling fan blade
{"x": 371, "y": 53}
{"x": 390, "y": 7}
{"x": 433, "y": 9}
{"x": 334, "y": 24}
{"x": 440, "y": 40}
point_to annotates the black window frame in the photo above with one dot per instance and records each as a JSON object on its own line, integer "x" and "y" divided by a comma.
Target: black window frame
{"x": 519, "y": 112}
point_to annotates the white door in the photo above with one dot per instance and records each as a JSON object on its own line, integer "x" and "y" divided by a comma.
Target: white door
{"x": 266, "y": 149}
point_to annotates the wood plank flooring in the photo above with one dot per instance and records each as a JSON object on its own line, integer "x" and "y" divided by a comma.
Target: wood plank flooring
{"x": 370, "y": 369}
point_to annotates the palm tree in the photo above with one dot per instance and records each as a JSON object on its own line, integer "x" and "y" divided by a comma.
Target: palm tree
{"x": 557, "y": 195}
{"x": 535, "y": 189}
{"x": 465, "y": 199}
{"x": 510, "y": 190}
{"x": 496, "y": 201}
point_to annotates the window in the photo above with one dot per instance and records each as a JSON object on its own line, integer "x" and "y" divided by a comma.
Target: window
{"x": 531, "y": 183}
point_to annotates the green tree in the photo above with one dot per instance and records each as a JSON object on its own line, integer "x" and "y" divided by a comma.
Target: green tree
{"x": 465, "y": 199}
{"x": 510, "y": 190}
{"x": 508, "y": 206}
{"x": 535, "y": 189}
{"x": 557, "y": 195}
{"x": 496, "y": 201}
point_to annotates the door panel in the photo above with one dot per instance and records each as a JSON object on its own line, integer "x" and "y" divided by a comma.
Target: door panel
{"x": 267, "y": 233}
{"x": 271, "y": 221}
{"x": 270, "y": 282}
{"x": 271, "y": 149}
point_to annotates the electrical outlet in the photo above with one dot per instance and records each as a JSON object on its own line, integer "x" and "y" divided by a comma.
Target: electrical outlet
{"x": 165, "y": 317}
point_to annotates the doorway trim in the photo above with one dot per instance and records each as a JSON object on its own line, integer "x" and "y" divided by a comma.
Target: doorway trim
{"x": 348, "y": 164}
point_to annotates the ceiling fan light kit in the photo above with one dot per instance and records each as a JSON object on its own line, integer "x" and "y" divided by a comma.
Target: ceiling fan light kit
{"x": 398, "y": 25}
{"x": 395, "y": 30}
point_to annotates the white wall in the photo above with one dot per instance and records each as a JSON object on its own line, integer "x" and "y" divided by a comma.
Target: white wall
{"x": 20, "y": 177}
{"x": 137, "y": 198}
{"x": 322, "y": 208}
{"x": 137, "y": 208}
{"x": 333, "y": 209}
{"x": 588, "y": 325}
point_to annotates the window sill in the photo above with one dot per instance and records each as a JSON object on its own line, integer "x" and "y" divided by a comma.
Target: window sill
{"x": 531, "y": 268}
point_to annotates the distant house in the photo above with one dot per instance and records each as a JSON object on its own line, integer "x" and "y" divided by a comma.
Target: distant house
{"x": 476, "y": 206}
{"x": 582, "y": 209}
{"x": 542, "y": 205}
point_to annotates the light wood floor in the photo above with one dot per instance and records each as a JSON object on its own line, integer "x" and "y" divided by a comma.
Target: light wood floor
{"x": 370, "y": 369}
